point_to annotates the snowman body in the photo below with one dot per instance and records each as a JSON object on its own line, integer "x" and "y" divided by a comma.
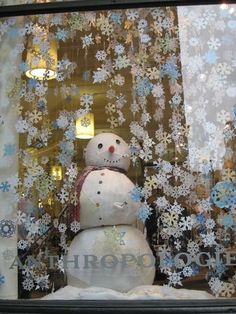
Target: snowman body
{"x": 105, "y": 200}
{"x": 110, "y": 252}
{"x": 116, "y": 257}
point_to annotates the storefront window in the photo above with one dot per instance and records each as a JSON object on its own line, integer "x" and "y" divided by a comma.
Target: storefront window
{"x": 117, "y": 143}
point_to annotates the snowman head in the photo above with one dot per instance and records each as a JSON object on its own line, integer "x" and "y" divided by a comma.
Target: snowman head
{"x": 108, "y": 150}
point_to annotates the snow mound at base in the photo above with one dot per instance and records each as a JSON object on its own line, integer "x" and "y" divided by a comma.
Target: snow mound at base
{"x": 138, "y": 293}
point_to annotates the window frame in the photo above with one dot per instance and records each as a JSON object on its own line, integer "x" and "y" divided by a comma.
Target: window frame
{"x": 222, "y": 306}
{"x": 110, "y": 306}
{"x": 95, "y": 5}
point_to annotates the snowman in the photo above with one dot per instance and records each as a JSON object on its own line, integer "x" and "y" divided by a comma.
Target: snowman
{"x": 110, "y": 252}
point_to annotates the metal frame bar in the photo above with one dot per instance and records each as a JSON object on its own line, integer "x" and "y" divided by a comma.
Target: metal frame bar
{"x": 85, "y": 5}
{"x": 118, "y": 307}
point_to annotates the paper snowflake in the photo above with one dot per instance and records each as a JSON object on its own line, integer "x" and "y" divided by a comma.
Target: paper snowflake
{"x": 223, "y": 194}
{"x": 8, "y": 254}
{"x": 175, "y": 279}
{"x": 114, "y": 236}
{"x": 208, "y": 239}
{"x": 28, "y": 284}
{"x": 86, "y": 99}
{"x": 5, "y": 186}
{"x": 186, "y": 223}
{"x": 75, "y": 226}
{"x": 61, "y": 34}
{"x": 144, "y": 213}
{"x": 87, "y": 40}
{"x": 136, "y": 194}
{"x": 7, "y": 228}
{"x": 85, "y": 122}
{"x": 2, "y": 280}
{"x": 101, "y": 55}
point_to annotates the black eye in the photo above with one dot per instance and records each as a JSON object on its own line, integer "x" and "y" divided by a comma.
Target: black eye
{"x": 100, "y": 145}
{"x": 118, "y": 142}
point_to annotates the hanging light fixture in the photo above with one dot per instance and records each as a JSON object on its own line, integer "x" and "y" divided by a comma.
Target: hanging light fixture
{"x": 42, "y": 66}
{"x": 56, "y": 172}
{"x": 85, "y": 126}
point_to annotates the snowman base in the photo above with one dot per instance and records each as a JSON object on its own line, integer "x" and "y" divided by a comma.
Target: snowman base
{"x": 138, "y": 293}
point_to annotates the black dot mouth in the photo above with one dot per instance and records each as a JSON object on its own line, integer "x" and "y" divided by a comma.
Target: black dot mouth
{"x": 111, "y": 161}
{"x": 100, "y": 218}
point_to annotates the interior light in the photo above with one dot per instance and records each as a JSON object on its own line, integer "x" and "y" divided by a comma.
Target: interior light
{"x": 38, "y": 67}
{"x": 56, "y": 172}
{"x": 85, "y": 126}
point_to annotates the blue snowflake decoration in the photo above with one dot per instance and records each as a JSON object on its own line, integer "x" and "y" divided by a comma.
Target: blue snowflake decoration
{"x": 7, "y": 228}
{"x": 144, "y": 87}
{"x": 227, "y": 221}
{"x": 170, "y": 69}
{"x": 61, "y": 34}
{"x": 195, "y": 269}
{"x": 136, "y": 193}
{"x": 64, "y": 159}
{"x": 220, "y": 269}
{"x": 210, "y": 57}
{"x": 32, "y": 83}
{"x": 43, "y": 229}
{"x": 116, "y": 17}
{"x": 167, "y": 261}
{"x": 143, "y": 213}
{"x": 2, "y": 280}
{"x": 9, "y": 149}
{"x": 201, "y": 219}
{"x": 23, "y": 66}
{"x": 67, "y": 147}
{"x": 234, "y": 111}
{"x": 5, "y": 186}
{"x": 42, "y": 105}
{"x": 70, "y": 133}
{"x": 223, "y": 194}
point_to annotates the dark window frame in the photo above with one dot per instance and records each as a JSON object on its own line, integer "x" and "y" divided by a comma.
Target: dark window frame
{"x": 94, "y": 5}
{"x": 217, "y": 306}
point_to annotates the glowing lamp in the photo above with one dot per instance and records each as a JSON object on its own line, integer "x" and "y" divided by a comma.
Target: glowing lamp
{"x": 56, "y": 172}
{"x": 85, "y": 126}
{"x": 42, "y": 67}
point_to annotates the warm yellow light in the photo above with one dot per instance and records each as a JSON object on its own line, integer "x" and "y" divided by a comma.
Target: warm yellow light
{"x": 85, "y": 126}
{"x": 39, "y": 67}
{"x": 56, "y": 172}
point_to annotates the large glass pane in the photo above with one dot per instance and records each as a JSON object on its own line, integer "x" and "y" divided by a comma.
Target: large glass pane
{"x": 117, "y": 143}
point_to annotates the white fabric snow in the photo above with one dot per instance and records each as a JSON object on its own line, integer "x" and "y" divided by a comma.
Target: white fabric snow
{"x": 138, "y": 293}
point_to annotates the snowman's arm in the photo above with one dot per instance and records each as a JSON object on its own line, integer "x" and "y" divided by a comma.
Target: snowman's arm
{"x": 120, "y": 205}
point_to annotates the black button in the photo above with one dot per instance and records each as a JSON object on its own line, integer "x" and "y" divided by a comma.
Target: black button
{"x": 98, "y": 192}
{"x": 100, "y": 182}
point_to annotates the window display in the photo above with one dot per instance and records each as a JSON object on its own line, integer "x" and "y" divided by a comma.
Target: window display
{"x": 117, "y": 143}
